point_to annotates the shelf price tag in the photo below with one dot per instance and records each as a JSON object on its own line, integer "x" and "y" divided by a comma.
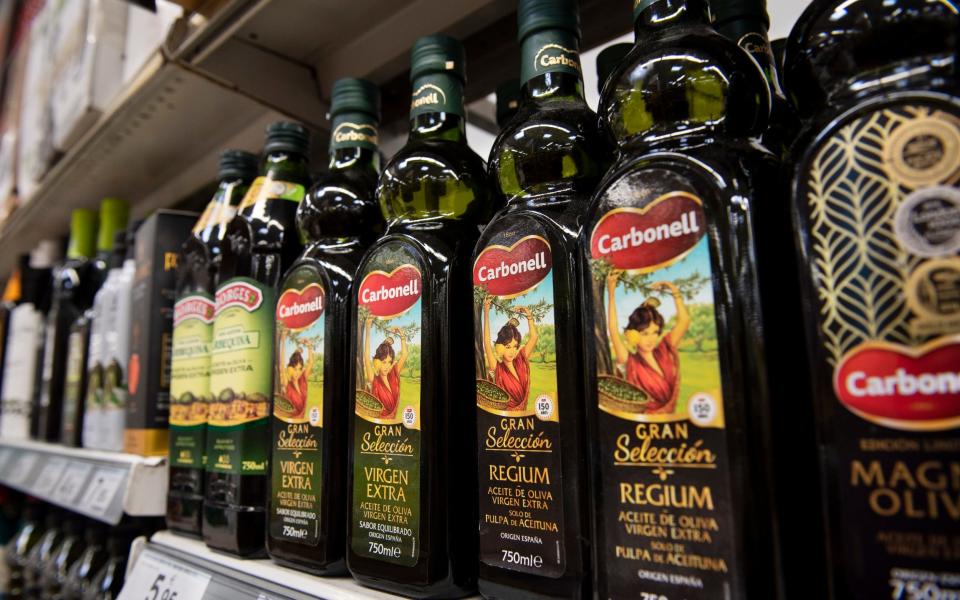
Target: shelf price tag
{"x": 49, "y": 476}
{"x": 157, "y": 577}
{"x": 101, "y": 490}
{"x": 71, "y": 483}
{"x": 22, "y": 469}
{"x": 5, "y": 455}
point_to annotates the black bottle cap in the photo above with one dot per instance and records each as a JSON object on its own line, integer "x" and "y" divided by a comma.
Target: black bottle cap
{"x": 728, "y": 10}
{"x": 287, "y": 136}
{"x": 608, "y": 59}
{"x": 438, "y": 53}
{"x": 237, "y": 164}
{"x": 508, "y": 100}
{"x": 534, "y": 15}
{"x": 355, "y": 95}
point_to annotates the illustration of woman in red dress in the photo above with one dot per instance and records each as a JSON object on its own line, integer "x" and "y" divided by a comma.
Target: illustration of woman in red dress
{"x": 293, "y": 377}
{"x": 649, "y": 358}
{"x": 507, "y": 362}
{"x": 382, "y": 371}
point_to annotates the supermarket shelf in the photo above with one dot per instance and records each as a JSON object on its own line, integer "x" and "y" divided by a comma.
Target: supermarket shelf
{"x": 102, "y": 485}
{"x": 237, "y": 579}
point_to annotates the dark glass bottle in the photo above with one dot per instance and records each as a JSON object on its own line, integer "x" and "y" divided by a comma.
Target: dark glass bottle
{"x": 876, "y": 208}
{"x": 528, "y": 336}
{"x": 190, "y": 393}
{"x": 676, "y": 389}
{"x": 55, "y": 573}
{"x": 41, "y": 555}
{"x": 108, "y": 580}
{"x": 20, "y": 546}
{"x": 413, "y": 527}
{"x": 746, "y": 23}
{"x": 12, "y": 292}
{"x": 75, "y": 283}
{"x": 261, "y": 243}
{"x": 94, "y": 557}
{"x": 340, "y": 218}
{"x": 608, "y": 60}
{"x": 508, "y": 101}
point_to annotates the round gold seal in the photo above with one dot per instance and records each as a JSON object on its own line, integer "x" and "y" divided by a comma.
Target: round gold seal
{"x": 933, "y": 289}
{"x": 924, "y": 151}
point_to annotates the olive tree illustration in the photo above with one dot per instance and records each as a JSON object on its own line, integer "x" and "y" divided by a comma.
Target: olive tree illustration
{"x": 507, "y": 307}
{"x": 689, "y": 287}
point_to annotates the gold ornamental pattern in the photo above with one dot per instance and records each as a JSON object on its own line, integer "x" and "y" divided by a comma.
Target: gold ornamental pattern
{"x": 856, "y": 181}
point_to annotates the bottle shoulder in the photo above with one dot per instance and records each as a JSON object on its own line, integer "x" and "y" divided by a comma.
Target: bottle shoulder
{"x": 434, "y": 158}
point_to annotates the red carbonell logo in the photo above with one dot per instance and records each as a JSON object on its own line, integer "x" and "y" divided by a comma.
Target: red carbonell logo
{"x": 239, "y": 293}
{"x": 298, "y": 309}
{"x": 512, "y": 271}
{"x": 193, "y": 307}
{"x": 649, "y": 238}
{"x": 901, "y": 387}
{"x": 389, "y": 295}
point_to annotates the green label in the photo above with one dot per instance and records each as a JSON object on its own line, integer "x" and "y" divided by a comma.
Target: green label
{"x": 550, "y": 51}
{"x": 387, "y": 426}
{"x": 264, "y": 189}
{"x": 240, "y": 378}
{"x": 190, "y": 393}
{"x": 436, "y": 93}
{"x": 73, "y": 388}
{"x": 518, "y": 417}
{"x": 353, "y": 130}
{"x": 298, "y": 416}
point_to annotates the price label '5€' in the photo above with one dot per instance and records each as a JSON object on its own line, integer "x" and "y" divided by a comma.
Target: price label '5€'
{"x": 156, "y": 577}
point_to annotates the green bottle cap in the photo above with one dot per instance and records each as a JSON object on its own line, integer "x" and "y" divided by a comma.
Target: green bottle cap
{"x": 534, "y": 15}
{"x": 287, "y": 136}
{"x": 508, "y": 100}
{"x": 608, "y": 59}
{"x": 114, "y": 213}
{"x": 237, "y": 164}
{"x": 727, "y": 10}
{"x": 438, "y": 53}
{"x": 352, "y": 95}
{"x": 83, "y": 228}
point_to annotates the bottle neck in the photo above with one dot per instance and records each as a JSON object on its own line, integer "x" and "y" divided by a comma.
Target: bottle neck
{"x": 654, "y": 16}
{"x": 286, "y": 166}
{"x": 354, "y": 158}
{"x": 550, "y": 65}
{"x": 436, "y": 108}
{"x": 750, "y": 33}
{"x": 353, "y": 142}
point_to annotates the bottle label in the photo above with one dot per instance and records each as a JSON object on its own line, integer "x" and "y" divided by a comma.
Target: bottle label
{"x": 265, "y": 188}
{"x": 549, "y": 51}
{"x": 298, "y": 416}
{"x": 436, "y": 93}
{"x": 73, "y": 382}
{"x": 353, "y": 130}
{"x": 387, "y": 424}
{"x": 240, "y": 378}
{"x": 668, "y": 529}
{"x": 190, "y": 394}
{"x": 19, "y": 376}
{"x": 880, "y": 206}
{"x": 518, "y": 418}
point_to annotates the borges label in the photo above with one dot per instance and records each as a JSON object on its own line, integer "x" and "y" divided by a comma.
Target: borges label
{"x": 240, "y": 294}
{"x": 193, "y": 307}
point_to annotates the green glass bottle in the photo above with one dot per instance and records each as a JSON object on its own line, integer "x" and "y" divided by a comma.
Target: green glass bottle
{"x": 675, "y": 360}
{"x": 190, "y": 394}
{"x": 412, "y": 526}
{"x": 340, "y": 218}
{"x": 40, "y": 557}
{"x": 93, "y": 558}
{"x": 608, "y": 60}
{"x": 746, "y": 23}
{"x": 69, "y": 550}
{"x": 528, "y": 336}
{"x": 262, "y": 243}
{"x": 876, "y": 209}
{"x": 75, "y": 283}
{"x": 20, "y": 546}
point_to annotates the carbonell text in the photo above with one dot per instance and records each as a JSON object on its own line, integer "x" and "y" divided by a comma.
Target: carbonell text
{"x": 411, "y": 288}
{"x": 505, "y": 269}
{"x": 902, "y": 383}
{"x": 685, "y": 225}
{"x": 300, "y": 308}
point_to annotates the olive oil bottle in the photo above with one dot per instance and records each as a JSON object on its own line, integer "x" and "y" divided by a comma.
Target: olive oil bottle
{"x": 340, "y": 218}
{"x": 190, "y": 394}
{"x": 75, "y": 283}
{"x": 876, "y": 208}
{"x": 746, "y": 23}
{"x": 261, "y": 243}
{"x": 528, "y": 336}
{"x": 413, "y": 527}
{"x": 675, "y": 357}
